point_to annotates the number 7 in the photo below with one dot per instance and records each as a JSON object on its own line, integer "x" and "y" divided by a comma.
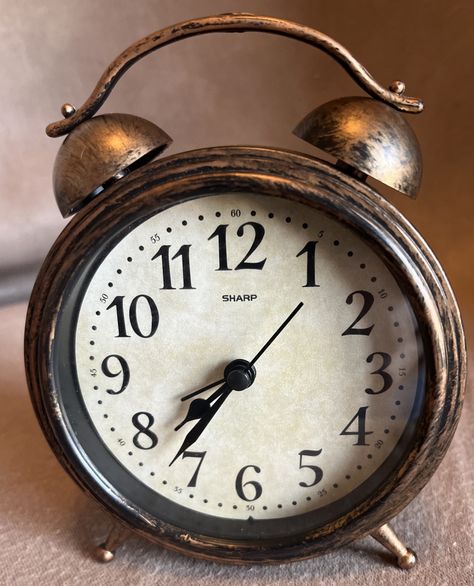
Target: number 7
{"x": 200, "y": 455}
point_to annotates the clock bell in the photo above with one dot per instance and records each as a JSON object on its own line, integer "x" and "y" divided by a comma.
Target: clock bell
{"x": 367, "y": 136}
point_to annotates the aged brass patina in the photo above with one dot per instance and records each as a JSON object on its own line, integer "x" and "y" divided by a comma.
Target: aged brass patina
{"x": 370, "y": 136}
{"x": 299, "y": 178}
{"x": 230, "y": 23}
{"x": 105, "y": 552}
{"x": 385, "y": 535}
{"x": 100, "y": 151}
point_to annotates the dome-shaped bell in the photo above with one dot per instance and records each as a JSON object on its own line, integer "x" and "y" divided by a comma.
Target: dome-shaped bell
{"x": 99, "y": 152}
{"x": 370, "y": 136}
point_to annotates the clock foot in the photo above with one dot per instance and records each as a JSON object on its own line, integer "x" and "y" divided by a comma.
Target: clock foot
{"x": 105, "y": 552}
{"x": 406, "y": 558}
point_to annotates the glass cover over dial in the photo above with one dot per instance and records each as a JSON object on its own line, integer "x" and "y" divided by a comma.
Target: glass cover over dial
{"x": 301, "y": 342}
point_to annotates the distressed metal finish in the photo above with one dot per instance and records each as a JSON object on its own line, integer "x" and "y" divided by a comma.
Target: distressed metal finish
{"x": 385, "y": 535}
{"x": 221, "y": 24}
{"x": 100, "y": 151}
{"x": 370, "y": 136}
{"x": 105, "y": 552}
{"x": 299, "y": 178}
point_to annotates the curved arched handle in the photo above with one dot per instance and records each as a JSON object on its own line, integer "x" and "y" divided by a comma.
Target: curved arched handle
{"x": 232, "y": 23}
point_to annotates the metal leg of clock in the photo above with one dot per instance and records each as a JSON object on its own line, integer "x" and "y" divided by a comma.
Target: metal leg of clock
{"x": 406, "y": 558}
{"x": 105, "y": 552}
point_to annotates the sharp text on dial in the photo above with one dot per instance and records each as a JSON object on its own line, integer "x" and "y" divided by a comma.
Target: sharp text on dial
{"x": 245, "y": 297}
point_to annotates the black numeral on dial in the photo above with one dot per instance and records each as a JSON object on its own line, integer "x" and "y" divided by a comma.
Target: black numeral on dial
{"x": 164, "y": 254}
{"x": 140, "y": 329}
{"x": 123, "y": 370}
{"x": 387, "y": 379}
{"x": 145, "y": 439}
{"x": 221, "y": 234}
{"x": 256, "y": 490}
{"x": 200, "y": 456}
{"x": 310, "y": 250}
{"x": 368, "y": 302}
{"x": 316, "y": 470}
{"x": 359, "y": 423}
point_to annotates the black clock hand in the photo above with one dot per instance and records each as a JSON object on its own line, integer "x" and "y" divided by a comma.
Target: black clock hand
{"x": 256, "y": 357}
{"x": 201, "y": 425}
{"x": 199, "y": 391}
{"x": 239, "y": 376}
{"x": 199, "y": 407}
{"x": 277, "y": 333}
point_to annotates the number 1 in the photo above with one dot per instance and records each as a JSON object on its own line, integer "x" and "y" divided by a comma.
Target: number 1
{"x": 310, "y": 250}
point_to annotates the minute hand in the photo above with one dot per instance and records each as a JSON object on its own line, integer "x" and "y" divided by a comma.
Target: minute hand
{"x": 277, "y": 333}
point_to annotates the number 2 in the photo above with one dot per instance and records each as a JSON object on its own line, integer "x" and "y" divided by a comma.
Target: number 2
{"x": 368, "y": 302}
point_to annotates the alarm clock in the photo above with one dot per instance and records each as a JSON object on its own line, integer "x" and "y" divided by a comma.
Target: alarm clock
{"x": 244, "y": 354}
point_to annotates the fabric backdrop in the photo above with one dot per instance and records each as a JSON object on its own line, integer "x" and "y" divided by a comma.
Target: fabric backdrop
{"x": 220, "y": 89}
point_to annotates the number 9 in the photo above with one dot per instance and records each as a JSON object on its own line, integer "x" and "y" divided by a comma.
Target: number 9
{"x": 124, "y": 371}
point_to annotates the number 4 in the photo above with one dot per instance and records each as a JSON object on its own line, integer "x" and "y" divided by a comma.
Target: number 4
{"x": 360, "y": 433}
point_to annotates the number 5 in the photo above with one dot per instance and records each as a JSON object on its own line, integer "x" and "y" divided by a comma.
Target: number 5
{"x": 318, "y": 473}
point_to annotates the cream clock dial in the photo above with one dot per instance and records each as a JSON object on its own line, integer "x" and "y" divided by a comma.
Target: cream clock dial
{"x": 312, "y": 344}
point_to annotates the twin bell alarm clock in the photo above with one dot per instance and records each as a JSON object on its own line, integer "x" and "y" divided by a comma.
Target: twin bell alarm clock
{"x": 244, "y": 354}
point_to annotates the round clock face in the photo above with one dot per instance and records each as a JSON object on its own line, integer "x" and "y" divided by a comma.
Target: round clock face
{"x": 305, "y": 345}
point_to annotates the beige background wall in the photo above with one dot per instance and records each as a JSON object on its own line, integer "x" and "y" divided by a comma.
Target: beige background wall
{"x": 231, "y": 89}
{"x": 220, "y": 89}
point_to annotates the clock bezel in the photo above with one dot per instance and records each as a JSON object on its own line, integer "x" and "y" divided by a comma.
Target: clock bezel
{"x": 298, "y": 177}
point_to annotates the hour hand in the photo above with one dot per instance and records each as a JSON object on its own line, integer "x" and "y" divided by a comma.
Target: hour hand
{"x": 203, "y": 422}
{"x": 199, "y": 407}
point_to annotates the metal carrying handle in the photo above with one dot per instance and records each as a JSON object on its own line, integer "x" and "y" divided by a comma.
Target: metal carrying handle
{"x": 230, "y": 23}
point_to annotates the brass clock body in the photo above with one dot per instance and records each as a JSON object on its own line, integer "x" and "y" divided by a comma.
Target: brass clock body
{"x": 244, "y": 354}
{"x": 53, "y": 361}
